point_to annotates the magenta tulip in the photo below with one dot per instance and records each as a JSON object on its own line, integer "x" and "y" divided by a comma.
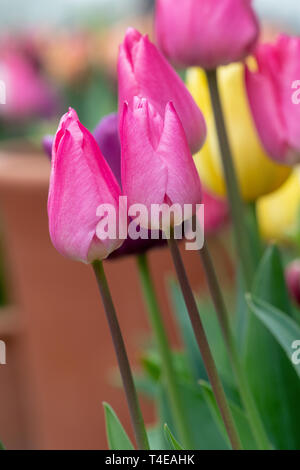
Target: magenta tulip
{"x": 80, "y": 182}
{"x": 271, "y": 89}
{"x": 205, "y": 33}
{"x": 157, "y": 165}
{"x": 292, "y": 275}
{"x": 28, "y": 93}
{"x": 144, "y": 72}
{"x": 216, "y": 212}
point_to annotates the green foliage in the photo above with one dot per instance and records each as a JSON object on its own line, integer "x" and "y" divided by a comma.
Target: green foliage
{"x": 240, "y": 419}
{"x": 272, "y": 377}
{"x": 171, "y": 439}
{"x": 116, "y": 435}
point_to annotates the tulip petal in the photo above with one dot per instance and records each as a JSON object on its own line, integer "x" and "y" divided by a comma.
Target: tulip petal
{"x": 80, "y": 181}
{"x": 205, "y": 33}
{"x": 144, "y": 175}
{"x": 183, "y": 186}
{"x": 144, "y": 72}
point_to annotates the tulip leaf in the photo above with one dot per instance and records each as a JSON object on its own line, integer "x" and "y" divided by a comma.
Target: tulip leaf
{"x": 282, "y": 327}
{"x": 238, "y": 415}
{"x": 171, "y": 439}
{"x": 204, "y": 430}
{"x": 116, "y": 434}
{"x": 272, "y": 377}
{"x": 156, "y": 438}
{"x": 2, "y": 446}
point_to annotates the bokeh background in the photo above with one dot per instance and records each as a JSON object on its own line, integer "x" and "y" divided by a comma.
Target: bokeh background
{"x": 60, "y": 361}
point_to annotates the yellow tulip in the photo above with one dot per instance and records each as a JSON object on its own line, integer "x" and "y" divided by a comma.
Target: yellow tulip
{"x": 257, "y": 174}
{"x": 278, "y": 212}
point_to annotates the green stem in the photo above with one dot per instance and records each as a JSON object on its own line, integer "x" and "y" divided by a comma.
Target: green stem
{"x": 233, "y": 190}
{"x": 124, "y": 366}
{"x": 177, "y": 408}
{"x": 256, "y": 424}
{"x": 204, "y": 346}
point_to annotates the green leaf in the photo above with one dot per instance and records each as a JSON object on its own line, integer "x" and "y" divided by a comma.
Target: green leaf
{"x": 272, "y": 378}
{"x": 238, "y": 414}
{"x": 171, "y": 439}
{"x": 116, "y": 435}
{"x": 2, "y": 446}
{"x": 270, "y": 281}
{"x": 283, "y": 328}
{"x": 156, "y": 437}
{"x": 204, "y": 430}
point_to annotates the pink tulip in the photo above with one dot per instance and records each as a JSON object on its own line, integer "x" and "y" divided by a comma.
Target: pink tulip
{"x": 216, "y": 212}
{"x": 205, "y": 33}
{"x": 27, "y": 92}
{"x": 157, "y": 165}
{"x": 292, "y": 275}
{"x": 270, "y": 90}
{"x": 80, "y": 181}
{"x": 144, "y": 72}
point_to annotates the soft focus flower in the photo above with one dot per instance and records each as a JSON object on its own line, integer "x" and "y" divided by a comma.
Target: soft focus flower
{"x": 144, "y": 72}
{"x": 107, "y": 137}
{"x": 47, "y": 144}
{"x": 157, "y": 166}
{"x": 216, "y": 212}
{"x": 257, "y": 173}
{"x": 205, "y": 33}
{"x": 80, "y": 181}
{"x": 278, "y": 212}
{"x": 270, "y": 91}
{"x": 27, "y": 92}
{"x": 292, "y": 275}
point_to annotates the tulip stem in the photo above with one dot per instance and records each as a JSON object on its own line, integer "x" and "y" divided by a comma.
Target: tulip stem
{"x": 204, "y": 346}
{"x": 255, "y": 421}
{"x": 233, "y": 190}
{"x": 120, "y": 349}
{"x": 168, "y": 371}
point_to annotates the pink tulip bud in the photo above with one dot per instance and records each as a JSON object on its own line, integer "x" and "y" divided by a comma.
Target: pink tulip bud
{"x": 157, "y": 165}
{"x": 144, "y": 72}
{"x": 271, "y": 91}
{"x": 80, "y": 182}
{"x": 205, "y": 33}
{"x": 292, "y": 275}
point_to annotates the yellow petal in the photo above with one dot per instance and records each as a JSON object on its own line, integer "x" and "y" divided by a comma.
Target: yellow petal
{"x": 277, "y": 213}
{"x": 257, "y": 173}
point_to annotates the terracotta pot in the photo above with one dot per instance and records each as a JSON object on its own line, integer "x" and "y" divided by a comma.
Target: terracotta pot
{"x": 64, "y": 348}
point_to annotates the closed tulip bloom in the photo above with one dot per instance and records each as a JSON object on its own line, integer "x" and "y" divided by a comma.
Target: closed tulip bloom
{"x": 106, "y": 135}
{"x": 157, "y": 165}
{"x": 144, "y": 72}
{"x": 257, "y": 174}
{"x": 292, "y": 276}
{"x": 80, "y": 181}
{"x": 205, "y": 33}
{"x": 270, "y": 88}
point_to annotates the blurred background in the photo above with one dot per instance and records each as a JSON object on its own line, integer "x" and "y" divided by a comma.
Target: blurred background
{"x": 60, "y": 361}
